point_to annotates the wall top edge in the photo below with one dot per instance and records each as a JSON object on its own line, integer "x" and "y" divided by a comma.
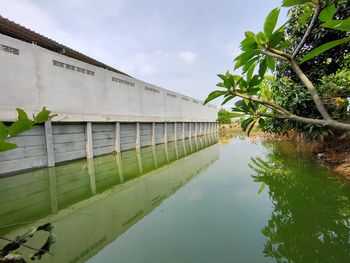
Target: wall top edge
{"x": 7, "y": 115}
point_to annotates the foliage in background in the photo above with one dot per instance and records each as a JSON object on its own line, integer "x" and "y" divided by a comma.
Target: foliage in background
{"x": 302, "y": 97}
{"x": 21, "y": 125}
{"x": 224, "y": 116}
{"x": 329, "y": 72}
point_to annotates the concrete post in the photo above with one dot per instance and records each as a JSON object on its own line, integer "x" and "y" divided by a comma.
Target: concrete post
{"x": 139, "y": 161}
{"x": 117, "y": 138}
{"x": 91, "y": 171}
{"x": 189, "y": 130}
{"x": 53, "y": 189}
{"x": 49, "y": 144}
{"x": 153, "y": 138}
{"x": 165, "y": 139}
{"x": 155, "y": 157}
{"x": 166, "y": 152}
{"x": 89, "y": 147}
{"x": 183, "y": 131}
{"x": 120, "y": 167}
{"x": 175, "y": 131}
{"x": 195, "y": 129}
{"x": 137, "y": 144}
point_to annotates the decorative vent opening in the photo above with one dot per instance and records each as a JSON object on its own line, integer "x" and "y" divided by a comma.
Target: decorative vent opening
{"x": 125, "y": 82}
{"x": 195, "y": 101}
{"x": 9, "y": 49}
{"x": 73, "y": 68}
{"x": 171, "y": 95}
{"x": 151, "y": 89}
{"x": 184, "y": 98}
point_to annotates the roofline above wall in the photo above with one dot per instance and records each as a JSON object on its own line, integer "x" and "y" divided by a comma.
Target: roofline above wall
{"x": 14, "y": 30}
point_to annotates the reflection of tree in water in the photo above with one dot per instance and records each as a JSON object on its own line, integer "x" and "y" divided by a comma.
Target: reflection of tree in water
{"x": 310, "y": 221}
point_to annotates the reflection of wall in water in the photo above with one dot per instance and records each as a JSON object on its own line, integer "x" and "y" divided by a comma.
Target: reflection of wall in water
{"x": 86, "y": 226}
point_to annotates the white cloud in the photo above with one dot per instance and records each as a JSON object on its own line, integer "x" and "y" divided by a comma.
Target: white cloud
{"x": 187, "y": 56}
{"x": 148, "y": 70}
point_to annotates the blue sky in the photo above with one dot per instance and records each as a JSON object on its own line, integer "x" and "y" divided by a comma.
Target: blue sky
{"x": 179, "y": 45}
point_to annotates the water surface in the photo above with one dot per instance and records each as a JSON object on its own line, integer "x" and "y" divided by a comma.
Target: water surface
{"x": 193, "y": 201}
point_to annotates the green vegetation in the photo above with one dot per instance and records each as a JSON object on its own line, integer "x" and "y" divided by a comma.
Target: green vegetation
{"x": 310, "y": 84}
{"x": 21, "y": 125}
{"x": 224, "y": 116}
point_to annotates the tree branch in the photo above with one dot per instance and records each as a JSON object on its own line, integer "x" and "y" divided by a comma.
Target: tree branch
{"x": 263, "y": 102}
{"x": 308, "y": 31}
{"x": 311, "y": 88}
{"x": 33, "y": 248}
{"x": 324, "y": 123}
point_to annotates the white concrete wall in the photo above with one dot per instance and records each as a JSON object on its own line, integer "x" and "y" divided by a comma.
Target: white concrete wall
{"x": 30, "y": 81}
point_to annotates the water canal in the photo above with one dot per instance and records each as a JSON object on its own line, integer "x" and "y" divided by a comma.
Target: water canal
{"x": 190, "y": 201}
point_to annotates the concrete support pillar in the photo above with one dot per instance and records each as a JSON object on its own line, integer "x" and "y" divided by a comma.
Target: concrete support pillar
{"x": 191, "y": 148}
{"x": 190, "y": 130}
{"x": 117, "y": 137}
{"x": 153, "y": 136}
{"x": 91, "y": 171}
{"x": 155, "y": 157}
{"x": 166, "y": 152}
{"x": 120, "y": 167}
{"x": 50, "y": 155}
{"x": 183, "y": 131}
{"x": 139, "y": 161}
{"x": 175, "y": 131}
{"x": 184, "y": 147}
{"x": 137, "y": 144}
{"x": 176, "y": 151}
{"x": 53, "y": 189}
{"x": 89, "y": 146}
{"x": 165, "y": 133}
{"x": 195, "y": 129}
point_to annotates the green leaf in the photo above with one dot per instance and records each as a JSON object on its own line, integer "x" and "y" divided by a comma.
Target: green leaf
{"x": 221, "y": 76}
{"x": 261, "y": 39}
{"x": 262, "y": 68}
{"x": 261, "y": 122}
{"x": 270, "y": 22}
{"x": 19, "y": 127}
{"x": 241, "y": 106}
{"x": 220, "y": 84}
{"x": 227, "y": 99}
{"x": 317, "y": 51}
{"x": 305, "y": 16}
{"x": 343, "y": 25}
{"x": 249, "y": 34}
{"x": 249, "y": 44}
{"x": 3, "y": 131}
{"x": 270, "y": 62}
{"x": 276, "y": 38}
{"x": 214, "y": 95}
{"x": 287, "y": 3}
{"x": 256, "y": 80}
{"x": 245, "y": 123}
{"x": 43, "y": 115}
{"x": 248, "y": 64}
{"x": 245, "y": 57}
{"x": 21, "y": 114}
{"x": 250, "y": 72}
{"x": 6, "y": 146}
{"x": 327, "y": 13}
{"x": 250, "y": 128}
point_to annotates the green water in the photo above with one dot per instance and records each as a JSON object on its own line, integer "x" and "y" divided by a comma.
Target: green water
{"x": 193, "y": 201}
